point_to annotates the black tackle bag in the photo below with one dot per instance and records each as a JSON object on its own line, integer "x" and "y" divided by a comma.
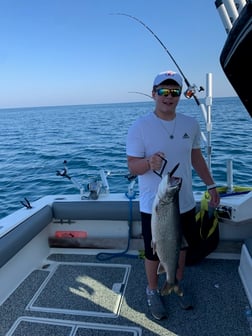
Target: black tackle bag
{"x": 204, "y": 233}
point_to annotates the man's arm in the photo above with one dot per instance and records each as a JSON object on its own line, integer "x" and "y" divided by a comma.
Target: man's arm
{"x": 138, "y": 166}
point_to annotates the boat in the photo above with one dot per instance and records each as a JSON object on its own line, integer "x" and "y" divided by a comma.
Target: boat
{"x": 236, "y": 54}
{"x": 73, "y": 264}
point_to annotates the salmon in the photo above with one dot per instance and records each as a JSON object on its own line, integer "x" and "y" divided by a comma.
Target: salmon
{"x": 166, "y": 230}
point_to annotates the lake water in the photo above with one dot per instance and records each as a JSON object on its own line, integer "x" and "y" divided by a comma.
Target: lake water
{"x": 34, "y": 142}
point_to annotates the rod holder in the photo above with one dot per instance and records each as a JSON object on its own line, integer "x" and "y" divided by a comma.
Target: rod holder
{"x": 230, "y": 175}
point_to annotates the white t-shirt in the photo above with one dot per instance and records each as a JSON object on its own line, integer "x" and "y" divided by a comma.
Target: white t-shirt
{"x": 149, "y": 135}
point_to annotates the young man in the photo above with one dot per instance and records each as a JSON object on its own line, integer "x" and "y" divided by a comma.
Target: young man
{"x": 176, "y": 137}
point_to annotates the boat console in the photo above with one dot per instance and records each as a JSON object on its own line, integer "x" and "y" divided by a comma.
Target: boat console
{"x": 236, "y": 207}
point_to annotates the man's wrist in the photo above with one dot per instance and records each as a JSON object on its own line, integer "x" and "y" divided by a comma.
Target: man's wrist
{"x": 211, "y": 186}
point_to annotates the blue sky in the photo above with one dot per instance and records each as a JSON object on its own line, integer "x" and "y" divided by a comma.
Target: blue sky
{"x": 63, "y": 52}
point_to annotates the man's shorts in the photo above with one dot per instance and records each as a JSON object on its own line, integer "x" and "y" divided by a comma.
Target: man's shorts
{"x": 187, "y": 222}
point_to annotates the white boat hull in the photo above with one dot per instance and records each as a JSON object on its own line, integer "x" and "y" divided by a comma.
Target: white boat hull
{"x": 28, "y": 235}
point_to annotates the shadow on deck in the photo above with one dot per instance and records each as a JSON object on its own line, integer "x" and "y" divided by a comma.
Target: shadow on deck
{"x": 79, "y": 295}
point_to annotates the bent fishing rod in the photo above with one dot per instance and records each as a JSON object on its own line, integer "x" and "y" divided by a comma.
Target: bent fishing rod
{"x": 191, "y": 89}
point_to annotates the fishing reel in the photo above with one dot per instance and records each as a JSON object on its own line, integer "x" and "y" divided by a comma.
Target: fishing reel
{"x": 191, "y": 90}
{"x": 94, "y": 188}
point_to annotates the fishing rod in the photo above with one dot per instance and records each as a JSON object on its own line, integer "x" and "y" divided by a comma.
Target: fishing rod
{"x": 191, "y": 89}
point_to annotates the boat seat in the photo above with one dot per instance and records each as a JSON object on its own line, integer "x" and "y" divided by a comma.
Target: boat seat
{"x": 17, "y": 238}
{"x": 89, "y": 210}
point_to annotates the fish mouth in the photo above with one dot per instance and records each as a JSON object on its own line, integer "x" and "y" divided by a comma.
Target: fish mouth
{"x": 174, "y": 181}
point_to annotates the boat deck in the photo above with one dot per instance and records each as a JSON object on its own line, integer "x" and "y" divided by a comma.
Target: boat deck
{"x": 78, "y": 294}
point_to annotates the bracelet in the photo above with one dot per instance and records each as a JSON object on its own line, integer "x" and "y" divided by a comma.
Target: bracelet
{"x": 212, "y": 186}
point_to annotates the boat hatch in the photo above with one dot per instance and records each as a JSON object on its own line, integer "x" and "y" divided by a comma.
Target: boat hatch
{"x": 87, "y": 290}
{"x": 45, "y": 326}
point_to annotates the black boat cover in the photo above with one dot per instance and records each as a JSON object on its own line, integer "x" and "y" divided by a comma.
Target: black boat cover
{"x": 236, "y": 56}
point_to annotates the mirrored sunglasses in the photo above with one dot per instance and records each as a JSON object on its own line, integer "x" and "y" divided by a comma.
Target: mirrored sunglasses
{"x": 166, "y": 92}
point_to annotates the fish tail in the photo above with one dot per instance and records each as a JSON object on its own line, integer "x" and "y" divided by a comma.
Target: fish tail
{"x": 169, "y": 288}
{"x": 178, "y": 290}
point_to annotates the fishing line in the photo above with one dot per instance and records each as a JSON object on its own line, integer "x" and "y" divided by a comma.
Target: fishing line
{"x": 167, "y": 51}
{"x": 141, "y": 93}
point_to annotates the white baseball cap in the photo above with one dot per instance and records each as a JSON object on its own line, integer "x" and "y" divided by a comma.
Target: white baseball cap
{"x": 163, "y": 76}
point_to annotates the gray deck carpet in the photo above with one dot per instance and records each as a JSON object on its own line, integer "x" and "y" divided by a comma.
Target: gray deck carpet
{"x": 79, "y": 295}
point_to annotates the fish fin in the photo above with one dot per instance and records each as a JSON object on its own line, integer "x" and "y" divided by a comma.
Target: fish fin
{"x": 161, "y": 269}
{"x": 184, "y": 243}
{"x": 153, "y": 245}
